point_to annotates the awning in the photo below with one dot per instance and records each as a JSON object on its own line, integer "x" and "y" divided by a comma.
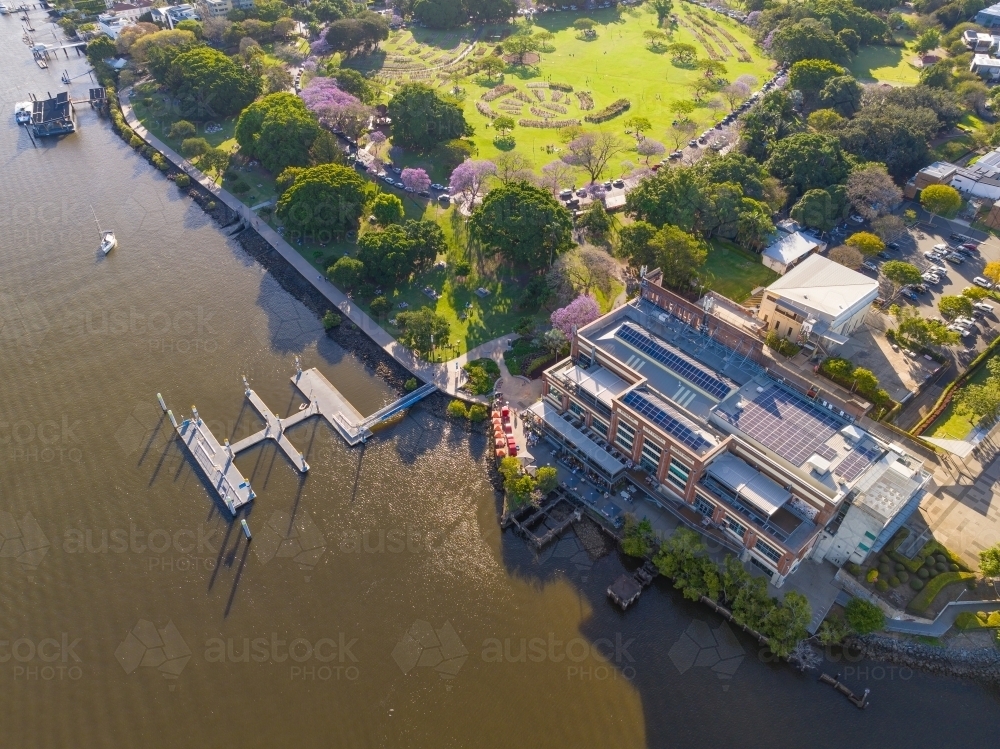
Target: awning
{"x": 573, "y": 436}
{"x": 748, "y": 483}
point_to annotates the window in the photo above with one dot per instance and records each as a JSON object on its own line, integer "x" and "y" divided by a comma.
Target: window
{"x": 735, "y": 527}
{"x": 869, "y": 535}
{"x": 576, "y": 409}
{"x": 766, "y": 570}
{"x": 625, "y": 436}
{"x": 705, "y": 508}
{"x": 678, "y": 474}
{"x": 599, "y": 426}
{"x": 650, "y": 458}
{"x": 768, "y": 551}
{"x": 864, "y": 548}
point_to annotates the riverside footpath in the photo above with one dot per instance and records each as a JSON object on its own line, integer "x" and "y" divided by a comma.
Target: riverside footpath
{"x": 447, "y": 376}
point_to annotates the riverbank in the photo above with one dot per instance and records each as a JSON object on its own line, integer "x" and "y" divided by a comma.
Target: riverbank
{"x": 979, "y": 664}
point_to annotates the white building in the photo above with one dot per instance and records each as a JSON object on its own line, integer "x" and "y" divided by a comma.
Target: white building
{"x": 131, "y": 11}
{"x": 112, "y": 25}
{"x": 980, "y": 180}
{"x": 817, "y": 297}
{"x": 879, "y": 504}
{"x": 989, "y": 17}
{"x": 788, "y": 249}
{"x": 985, "y": 67}
{"x": 171, "y": 15}
{"x": 217, "y": 8}
{"x": 977, "y": 41}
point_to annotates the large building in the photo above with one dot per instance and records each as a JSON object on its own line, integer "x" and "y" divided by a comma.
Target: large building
{"x": 660, "y": 389}
{"x": 989, "y": 17}
{"x": 818, "y": 298}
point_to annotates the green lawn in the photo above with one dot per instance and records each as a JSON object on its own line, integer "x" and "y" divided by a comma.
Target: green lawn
{"x": 734, "y": 272}
{"x": 884, "y": 65}
{"x": 616, "y": 65}
{"x": 951, "y": 424}
{"x": 953, "y": 149}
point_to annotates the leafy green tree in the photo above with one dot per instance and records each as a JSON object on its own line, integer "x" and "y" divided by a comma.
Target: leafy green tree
{"x": 682, "y": 52}
{"x": 327, "y": 198}
{"x": 441, "y": 14}
{"x": 422, "y": 118}
{"x": 815, "y": 209}
{"x": 809, "y": 76}
{"x": 663, "y": 9}
{"x": 940, "y": 200}
{"x": 547, "y": 478}
{"x": 521, "y": 45}
{"x": 786, "y": 622}
{"x": 866, "y": 243}
{"x": 992, "y": 271}
{"x": 914, "y": 328}
{"x": 189, "y": 24}
{"x": 899, "y": 273}
{"x": 214, "y": 159}
{"x": 842, "y": 94}
{"x": 975, "y": 293}
{"x": 191, "y": 147}
{"x": 394, "y": 253}
{"x": 655, "y": 38}
{"x": 633, "y": 244}
{"x": 492, "y": 66}
{"x": 584, "y": 24}
{"x": 387, "y": 209}
{"x": 989, "y": 561}
{"x": 491, "y": 11}
{"x": 182, "y": 129}
{"x": 735, "y": 167}
{"x": 355, "y": 84}
{"x": 771, "y": 121}
{"x": 100, "y": 49}
{"x": 938, "y": 75}
{"x": 278, "y": 130}
{"x": 863, "y": 616}
{"x": 980, "y": 402}
{"x": 457, "y": 410}
{"x": 523, "y": 224}
{"x": 596, "y": 222}
{"x": 890, "y": 134}
{"x": 207, "y": 84}
{"x": 346, "y": 273}
{"x": 927, "y": 41}
{"x": 807, "y": 39}
{"x": 951, "y": 307}
{"x": 504, "y": 124}
{"x": 682, "y": 109}
{"x": 808, "y": 160}
{"x": 825, "y": 120}
{"x": 678, "y": 254}
{"x": 419, "y": 327}
{"x": 638, "y": 537}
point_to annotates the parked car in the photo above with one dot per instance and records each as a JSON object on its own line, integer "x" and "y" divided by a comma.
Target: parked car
{"x": 619, "y": 183}
{"x": 883, "y": 256}
{"x": 437, "y": 188}
{"x": 869, "y": 265}
{"x": 856, "y": 218}
{"x": 893, "y": 246}
{"x": 424, "y": 194}
{"x": 920, "y": 288}
{"x": 954, "y": 257}
{"x": 608, "y": 185}
{"x": 910, "y": 294}
{"x": 982, "y": 282}
{"x": 971, "y": 246}
{"x": 693, "y": 143}
{"x": 931, "y": 255}
{"x": 983, "y": 307}
{"x": 565, "y": 194}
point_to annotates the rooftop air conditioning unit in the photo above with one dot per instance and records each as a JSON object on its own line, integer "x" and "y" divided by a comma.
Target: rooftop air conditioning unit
{"x": 760, "y": 388}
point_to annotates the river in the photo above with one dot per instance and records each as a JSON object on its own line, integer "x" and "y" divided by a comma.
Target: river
{"x": 378, "y": 604}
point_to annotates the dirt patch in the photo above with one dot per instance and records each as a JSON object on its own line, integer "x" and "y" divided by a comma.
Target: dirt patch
{"x": 529, "y": 58}
{"x": 592, "y": 539}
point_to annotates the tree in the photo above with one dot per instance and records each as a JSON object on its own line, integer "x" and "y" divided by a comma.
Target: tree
{"x": 327, "y": 198}
{"x": 182, "y": 129}
{"x": 355, "y": 84}
{"x": 592, "y": 152}
{"x": 584, "y": 24}
{"x": 100, "y": 49}
{"x": 581, "y": 311}
{"x": 805, "y": 40}
{"x": 638, "y": 537}
{"x": 816, "y": 209}
{"x": 520, "y": 45}
{"x": 849, "y": 257}
{"x": 808, "y": 160}
{"x": 927, "y": 41}
{"x": 682, "y": 109}
{"x": 980, "y": 403}
{"x": 387, "y": 209}
{"x": 469, "y": 178}
{"x": 441, "y": 14}
{"x": 872, "y": 191}
{"x": 556, "y": 175}
{"x": 492, "y": 11}
{"x": 989, "y": 561}
{"x": 663, "y": 9}
{"x": 276, "y": 78}
{"x": 346, "y": 273}
{"x": 422, "y": 118}
{"x": 513, "y": 167}
{"x": 772, "y": 120}
{"x": 277, "y": 130}
{"x": 785, "y": 624}
{"x": 940, "y": 200}
{"x": 214, "y": 159}
{"x": 207, "y": 84}
{"x": 842, "y": 94}
{"x": 682, "y": 53}
{"x": 649, "y": 148}
{"x": 736, "y": 93}
{"x": 825, "y": 120}
{"x": 678, "y": 255}
{"x": 523, "y": 224}
{"x": 951, "y": 307}
{"x": 681, "y": 131}
{"x": 866, "y": 243}
{"x": 188, "y": 24}
{"x": 504, "y": 124}
{"x": 918, "y": 331}
{"x": 638, "y": 125}
{"x": 547, "y": 478}
{"x": 992, "y": 271}
{"x": 975, "y": 293}
{"x": 810, "y": 76}
{"x": 898, "y": 273}
{"x": 596, "y": 222}
{"x": 655, "y": 38}
{"x": 888, "y": 227}
{"x": 863, "y": 616}
{"x": 191, "y": 147}
{"x": 415, "y": 179}
{"x": 492, "y": 66}
{"x": 420, "y": 327}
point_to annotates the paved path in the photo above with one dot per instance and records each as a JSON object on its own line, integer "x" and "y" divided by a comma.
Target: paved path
{"x": 945, "y": 619}
{"x": 447, "y": 376}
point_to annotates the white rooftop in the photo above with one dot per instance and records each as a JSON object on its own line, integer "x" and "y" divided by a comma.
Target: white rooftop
{"x": 939, "y": 169}
{"x": 790, "y": 247}
{"x": 985, "y": 61}
{"x": 825, "y": 287}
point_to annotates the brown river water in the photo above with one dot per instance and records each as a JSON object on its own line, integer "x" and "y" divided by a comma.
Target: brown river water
{"x": 378, "y": 604}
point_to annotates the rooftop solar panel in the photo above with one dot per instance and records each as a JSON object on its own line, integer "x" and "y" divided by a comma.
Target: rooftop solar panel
{"x": 827, "y": 452}
{"x": 658, "y": 412}
{"x": 857, "y": 461}
{"x": 673, "y": 360}
{"x": 786, "y": 424}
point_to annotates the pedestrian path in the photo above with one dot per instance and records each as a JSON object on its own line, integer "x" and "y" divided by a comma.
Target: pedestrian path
{"x": 447, "y": 376}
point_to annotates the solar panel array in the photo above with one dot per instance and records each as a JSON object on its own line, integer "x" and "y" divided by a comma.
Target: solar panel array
{"x": 786, "y": 424}
{"x": 663, "y": 416}
{"x": 857, "y": 461}
{"x": 825, "y": 451}
{"x": 673, "y": 360}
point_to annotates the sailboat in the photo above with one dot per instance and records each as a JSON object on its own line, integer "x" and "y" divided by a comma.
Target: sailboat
{"x": 108, "y": 239}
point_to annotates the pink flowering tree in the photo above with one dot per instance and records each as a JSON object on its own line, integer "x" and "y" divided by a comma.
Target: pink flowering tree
{"x": 649, "y": 148}
{"x": 469, "y": 178}
{"x": 581, "y": 311}
{"x": 377, "y": 139}
{"x": 335, "y": 107}
{"x": 320, "y": 47}
{"x": 415, "y": 179}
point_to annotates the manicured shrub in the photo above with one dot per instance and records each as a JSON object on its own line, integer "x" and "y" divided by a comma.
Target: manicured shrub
{"x": 923, "y": 573}
{"x": 903, "y": 576}
{"x": 872, "y": 576}
{"x": 917, "y": 584}
{"x": 884, "y": 570}
{"x": 852, "y": 568}
{"x": 410, "y": 385}
{"x": 379, "y": 305}
{"x": 456, "y": 409}
{"x": 210, "y": 205}
{"x": 882, "y": 586}
{"x": 894, "y": 582}
{"x": 478, "y": 412}
{"x": 900, "y": 567}
{"x": 135, "y": 141}
{"x": 182, "y": 181}
{"x": 883, "y": 559}
{"x": 940, "y": 558}
{"x": 331, "y": 320}
{"x": 941, "y": 566}
{"x": 953, "y": 568}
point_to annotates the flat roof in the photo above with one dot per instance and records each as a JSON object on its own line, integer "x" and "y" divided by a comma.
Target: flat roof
{"x": 594, "y": 452}
{"x": 887, "y": 488}
{"x": 790, "y": 247}
{"x": 826, "y": 287}
{"x": 748, "y": 483}
{"x": 601, "y": 383}
{"x": 939, "y": 169}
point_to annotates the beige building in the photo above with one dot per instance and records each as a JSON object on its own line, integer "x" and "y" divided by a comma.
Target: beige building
{"x": 818, "y": 297}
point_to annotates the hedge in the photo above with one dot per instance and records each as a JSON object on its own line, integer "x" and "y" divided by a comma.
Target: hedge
{"x": 922, "y": 601}
{"x": 611, "y": 111}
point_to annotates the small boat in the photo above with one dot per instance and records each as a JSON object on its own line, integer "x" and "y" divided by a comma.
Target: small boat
{"x": 108, "y": 239}
{"x": 22, "y": 112}
{"x": 4, "y": 10}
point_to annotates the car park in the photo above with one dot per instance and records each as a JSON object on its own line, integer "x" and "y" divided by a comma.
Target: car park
{"x": 982, "y": 282}
{"x": 954, "y": 257}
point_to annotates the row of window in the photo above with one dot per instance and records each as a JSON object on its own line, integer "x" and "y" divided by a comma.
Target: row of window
{"x": 736, "y": 528}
